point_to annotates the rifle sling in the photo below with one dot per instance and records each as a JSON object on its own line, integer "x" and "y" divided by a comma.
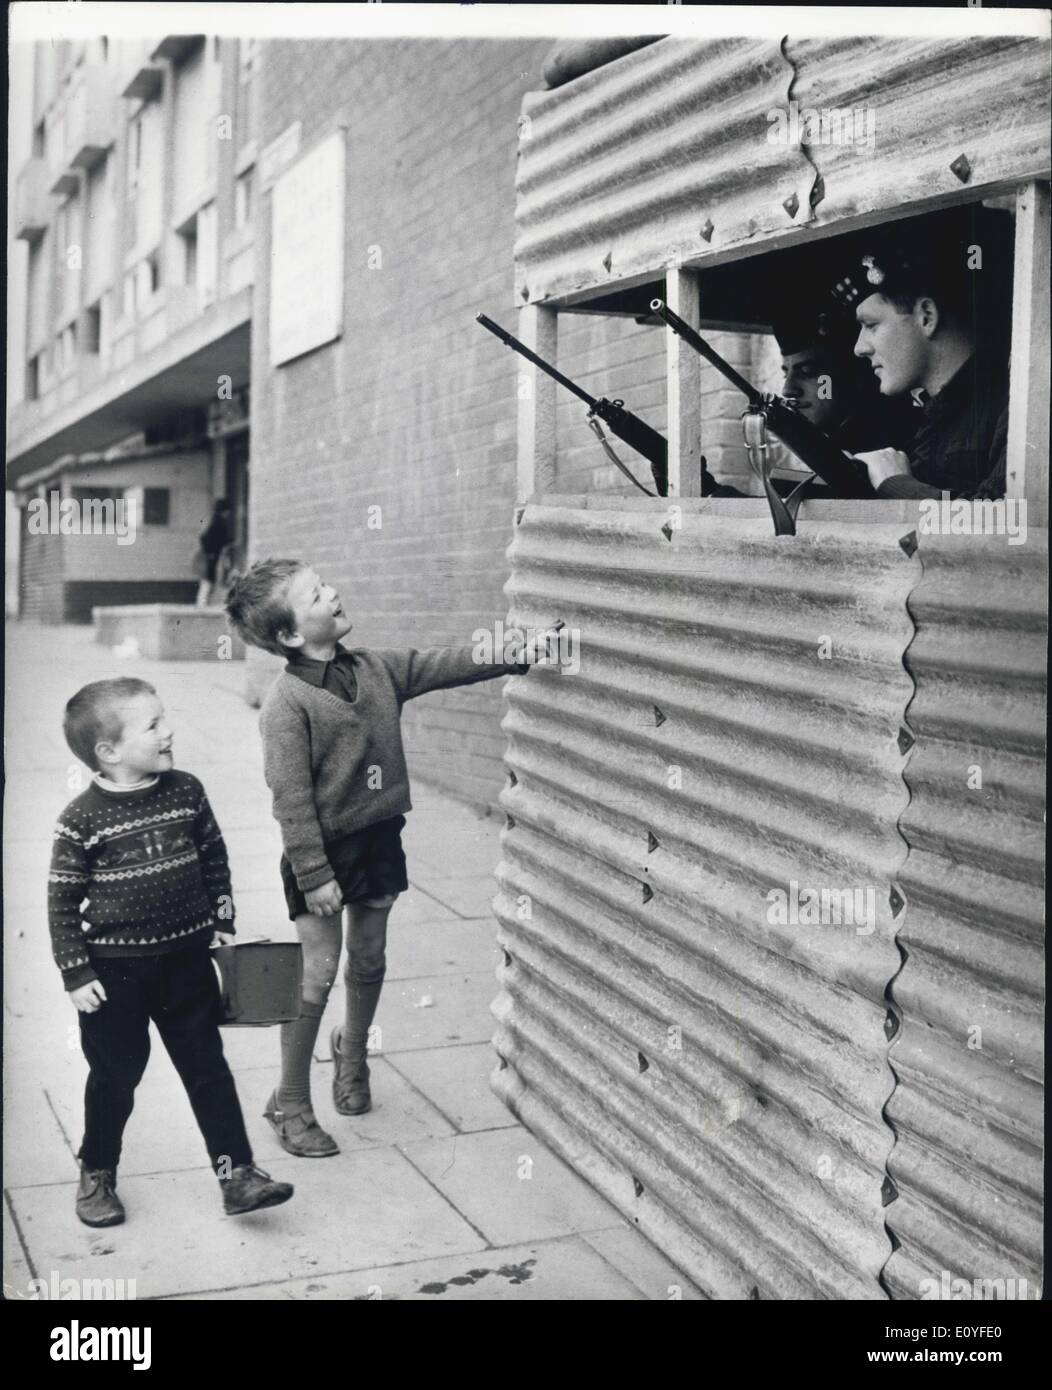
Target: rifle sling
{"x": 597, "y": 429}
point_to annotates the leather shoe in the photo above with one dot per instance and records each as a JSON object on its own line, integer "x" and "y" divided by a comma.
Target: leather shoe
{"x": 299, "y": 1133}
{"x": 249, "y": 1189}
{"x": 350, "y": 1084}
{"x": 97, "y": 1200}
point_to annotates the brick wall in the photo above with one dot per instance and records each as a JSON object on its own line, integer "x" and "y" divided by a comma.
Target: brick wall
{"x": 42, "y": 589}
{"x": 414, "y": 409}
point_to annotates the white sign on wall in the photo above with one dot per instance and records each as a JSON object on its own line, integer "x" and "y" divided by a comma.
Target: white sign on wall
{"x": 306, "y": 252}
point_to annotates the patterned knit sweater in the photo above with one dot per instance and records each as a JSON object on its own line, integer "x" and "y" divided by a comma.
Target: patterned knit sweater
{"x": 136, "y": 873}
{"x": 334, "y": 765}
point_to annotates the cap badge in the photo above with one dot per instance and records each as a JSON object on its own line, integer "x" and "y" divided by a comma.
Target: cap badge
{"x": 874, "y": 274}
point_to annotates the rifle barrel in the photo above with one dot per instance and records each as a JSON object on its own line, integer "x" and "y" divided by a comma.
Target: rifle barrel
{"x": 698, "y": 343}
{"x": 509, "y": 340}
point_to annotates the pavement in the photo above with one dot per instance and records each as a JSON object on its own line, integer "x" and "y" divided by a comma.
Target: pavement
{"x": 429, "y": 1197}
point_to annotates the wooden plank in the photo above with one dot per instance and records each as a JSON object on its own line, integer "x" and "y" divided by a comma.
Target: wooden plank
{"x": 539, "y": 330}
{"x": 1028, "y": 442}
{"x": 683, "y": 367}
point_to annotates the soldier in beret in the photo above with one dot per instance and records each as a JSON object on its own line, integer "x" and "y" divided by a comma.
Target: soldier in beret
{"x": 928, "y": 297}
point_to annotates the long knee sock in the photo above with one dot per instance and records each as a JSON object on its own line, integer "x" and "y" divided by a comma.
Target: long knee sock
{"x": 297, "y": 1049}
{"x": 362, "y": 997}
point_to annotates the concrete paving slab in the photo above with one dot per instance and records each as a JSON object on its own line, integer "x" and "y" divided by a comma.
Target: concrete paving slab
{"x": 644, "y": 1265}
{"x": 440, "y": 948}
{"x": 356, "y": 1211}
{"x": 162, "y": 1133}
{"x": 17, "y": 1273}
{"x": 467, "y": 896}
{"x": 456, "y": 1080}
{"x": 400, "y": 1114}
{"x": 512, "y": 1188}
{"x": 562, "y": 1270}
{"x": 458, "y": 1012}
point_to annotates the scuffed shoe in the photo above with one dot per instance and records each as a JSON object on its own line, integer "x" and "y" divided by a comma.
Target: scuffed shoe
{"x": 97, "y": 1200}
{"x": 299, "y": 1133}
{"x": 350, "y": 1084}
{"x": 249, "y": 1189}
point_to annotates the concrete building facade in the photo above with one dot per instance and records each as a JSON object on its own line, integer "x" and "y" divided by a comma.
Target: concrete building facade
{"x": 132, "y": 220}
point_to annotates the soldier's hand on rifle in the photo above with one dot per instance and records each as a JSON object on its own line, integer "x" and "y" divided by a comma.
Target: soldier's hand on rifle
{"x": 885, "y": 463}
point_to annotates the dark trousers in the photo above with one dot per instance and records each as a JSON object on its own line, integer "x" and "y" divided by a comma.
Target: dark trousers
{"x": 180, "y": 993}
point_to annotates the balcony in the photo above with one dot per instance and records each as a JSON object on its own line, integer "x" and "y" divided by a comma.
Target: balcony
{"x": 176, "y": 47}
{"x": 32, "y": 203}
{"x": 145, "y": 84}
{"x": 91, "y": 117}
{"x": 64, "y": 183}
{"x": 137, "y": 77}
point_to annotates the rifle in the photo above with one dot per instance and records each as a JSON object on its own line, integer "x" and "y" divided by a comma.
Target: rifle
{"x": 845, "y": 475}
{"x": 634, "y": 432}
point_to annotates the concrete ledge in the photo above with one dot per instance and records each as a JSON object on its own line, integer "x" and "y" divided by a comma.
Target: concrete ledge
{"x": 168, "y": 632}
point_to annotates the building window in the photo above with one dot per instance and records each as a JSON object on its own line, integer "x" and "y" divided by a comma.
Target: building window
{"x": 156, "y": 506}
{"x": 93, "y": 328}
{"x": 208, "y": 254}
{"x": 39, "y": 140}
{"x": 33, "y": 378}
{"x": 67, "y": 349}
{"x": 243, "y": 196}
{"x": 188, "y": 239}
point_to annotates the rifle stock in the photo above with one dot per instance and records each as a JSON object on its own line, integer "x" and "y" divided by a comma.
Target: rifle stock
{"x": 629, "y": 428}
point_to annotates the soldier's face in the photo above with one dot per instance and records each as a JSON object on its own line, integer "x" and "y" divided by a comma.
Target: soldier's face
{"x": 809, "y": 382}
{"x": 894, "y": 343}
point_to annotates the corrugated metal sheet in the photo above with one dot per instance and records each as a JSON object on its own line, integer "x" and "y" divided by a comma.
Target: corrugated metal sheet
{"x": 703, "y": 755}
{"x": 664, "y": 154}
{"x": 643, "y": 159}
{"x": 932, "y": 101}
{"x": 968, "y": 1106}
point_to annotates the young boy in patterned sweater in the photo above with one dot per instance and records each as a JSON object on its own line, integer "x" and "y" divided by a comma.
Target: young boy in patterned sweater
{"x": 334, "y": 761}
{"x": 139, "y": 885}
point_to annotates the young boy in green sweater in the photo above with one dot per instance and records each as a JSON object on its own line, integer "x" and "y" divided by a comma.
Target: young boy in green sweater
{"x": 139, "y": 884}
{"x": 335, "y": 765}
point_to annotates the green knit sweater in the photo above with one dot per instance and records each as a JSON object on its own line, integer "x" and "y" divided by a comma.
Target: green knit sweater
{"x": 335, "y": 766}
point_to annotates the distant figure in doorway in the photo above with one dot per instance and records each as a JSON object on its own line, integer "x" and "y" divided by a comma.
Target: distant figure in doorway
{"x": 213, "y": 540}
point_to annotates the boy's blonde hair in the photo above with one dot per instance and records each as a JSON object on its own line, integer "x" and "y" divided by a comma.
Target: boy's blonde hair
{"x": 257, "y": 603}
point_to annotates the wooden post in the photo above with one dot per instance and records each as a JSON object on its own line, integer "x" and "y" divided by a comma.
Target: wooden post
{"x": 1028, "y": 390}
{"x": 539, "y": 330}
{"x": 684, "y": 388}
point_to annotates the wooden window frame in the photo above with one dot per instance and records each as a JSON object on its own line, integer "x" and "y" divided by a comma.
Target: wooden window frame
{"x": 1028, "y": 398}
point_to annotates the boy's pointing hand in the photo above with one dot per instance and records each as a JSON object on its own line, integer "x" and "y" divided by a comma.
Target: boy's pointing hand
{"x": 88, "y": 997}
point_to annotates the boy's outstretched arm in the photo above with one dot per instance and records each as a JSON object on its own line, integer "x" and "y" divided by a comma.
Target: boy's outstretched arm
{"x": 439, "y": 668}
{"x": 215, "y": 866}
{"x": 67, "y": 888}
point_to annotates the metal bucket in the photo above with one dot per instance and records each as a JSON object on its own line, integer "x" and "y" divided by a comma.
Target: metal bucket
{"x": 260, "y": 982}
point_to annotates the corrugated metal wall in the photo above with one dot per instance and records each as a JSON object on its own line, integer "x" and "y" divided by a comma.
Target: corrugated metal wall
{"x": 735, "y": 726}
{"x": 664, "y": 154}
{"x": 741, "y": 1089}
{"x": 655, "y": 140}
{"x": 968, "y": 1106}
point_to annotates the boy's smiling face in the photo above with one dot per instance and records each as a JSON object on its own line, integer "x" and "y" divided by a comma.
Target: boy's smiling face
{"x": 144, "y": 747}
{"x": 319, "y": 618}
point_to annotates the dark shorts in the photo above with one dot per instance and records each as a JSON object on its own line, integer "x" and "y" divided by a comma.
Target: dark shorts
{"x": 368, "y": 863}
